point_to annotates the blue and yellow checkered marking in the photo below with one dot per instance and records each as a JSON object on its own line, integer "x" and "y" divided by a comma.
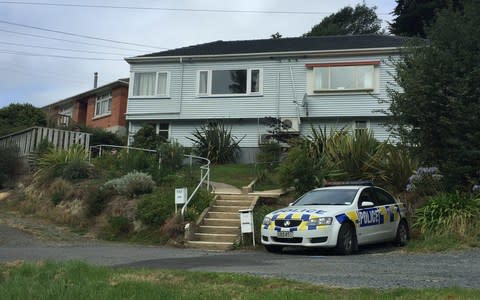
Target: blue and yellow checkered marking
{"x": 291, "y": 216}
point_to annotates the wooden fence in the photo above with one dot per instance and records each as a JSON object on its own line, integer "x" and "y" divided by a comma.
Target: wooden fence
{"x": 27, "y": 140}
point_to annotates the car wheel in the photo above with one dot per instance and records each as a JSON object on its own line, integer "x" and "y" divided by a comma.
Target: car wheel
{"x": 273, "y": 248}
{"x": 346, "y": 242}
{"x": 401, "y": 239}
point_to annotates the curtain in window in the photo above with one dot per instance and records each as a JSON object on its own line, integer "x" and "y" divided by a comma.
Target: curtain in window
{"x": 202, "y": 86}
{"x": 162, "y": 84}
{"x": 144, "y": 84}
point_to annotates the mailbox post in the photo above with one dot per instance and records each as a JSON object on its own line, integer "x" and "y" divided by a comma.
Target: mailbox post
{"x": 181, "y": 197}
{"x": 246, "y": 223}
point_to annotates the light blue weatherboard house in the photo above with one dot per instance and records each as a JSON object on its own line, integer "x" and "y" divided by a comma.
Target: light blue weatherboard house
{"x": 331, "y": 81}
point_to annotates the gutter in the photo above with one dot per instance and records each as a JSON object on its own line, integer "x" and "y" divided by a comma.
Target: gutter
{"x": 311, "y": 53}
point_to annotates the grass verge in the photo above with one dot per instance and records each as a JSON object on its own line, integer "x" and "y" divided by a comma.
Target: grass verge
{"x": 238, "y": 175}
{"x": 77, "y": 280}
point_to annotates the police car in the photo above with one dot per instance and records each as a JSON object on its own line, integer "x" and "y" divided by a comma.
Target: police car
{"x": 343, "y": 216}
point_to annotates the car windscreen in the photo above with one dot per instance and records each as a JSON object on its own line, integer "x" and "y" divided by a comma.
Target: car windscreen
{"x": 328, "y": 197}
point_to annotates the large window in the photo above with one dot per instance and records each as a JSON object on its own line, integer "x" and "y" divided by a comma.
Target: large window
{"x": 348, "y": 76}
{"x": 103, "y": 105}
{"x": 150, "y": 84}
{"x": 229, "y": 82}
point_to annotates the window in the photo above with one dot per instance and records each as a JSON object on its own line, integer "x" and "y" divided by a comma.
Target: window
{"x": 343, "y": 76}
{"x": 384, "y": 198}
{"x": 103, "y": 105}
{"x": 361, "y": 126}
{"x": 150, "y": 84}
{"x": 367, "y": 196}
{"x": 229, "y": 82}
{"x": 163, "y": 130}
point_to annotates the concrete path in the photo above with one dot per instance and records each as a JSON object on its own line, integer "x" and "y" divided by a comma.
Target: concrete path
{"x": 223, "y": 188}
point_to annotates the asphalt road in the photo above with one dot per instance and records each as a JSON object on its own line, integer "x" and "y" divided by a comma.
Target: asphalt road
{"x": 379, "y": 266}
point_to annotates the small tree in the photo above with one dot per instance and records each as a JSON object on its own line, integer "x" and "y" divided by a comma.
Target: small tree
{"x": 147, "y": 138}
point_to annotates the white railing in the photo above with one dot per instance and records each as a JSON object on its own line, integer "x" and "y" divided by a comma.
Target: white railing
{"x": 204, "y": 176}
{"x": 101, "y": 147}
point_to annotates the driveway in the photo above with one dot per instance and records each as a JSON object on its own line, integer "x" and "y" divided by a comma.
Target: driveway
{"x": 379, "y": 266}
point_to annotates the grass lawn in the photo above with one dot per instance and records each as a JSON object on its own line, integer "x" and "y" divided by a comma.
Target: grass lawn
{"x": 234, "y": 174}
{"x": 77, "y": 280}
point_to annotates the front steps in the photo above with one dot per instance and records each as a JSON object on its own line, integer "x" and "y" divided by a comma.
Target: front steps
{"x": 220, "y": 227}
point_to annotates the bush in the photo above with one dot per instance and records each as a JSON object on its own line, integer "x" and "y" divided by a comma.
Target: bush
{"x": 173, "y": 227}
{"x": 449, "y": 213}
{"x": 132, "y": 184}
{"x": 100, "y": 136}
{"x": 9, "y": 163}
{"x": 97, "y": 199}
{"x": 62, "y": 163}
{"x": 119, "y": 225}
{"x": 171, "y": 155}
{"x": 215, "y": 142}
{"x": 147, "y": 138}
{"x": 60, "y": 190}
{"x": 426, "y": 182}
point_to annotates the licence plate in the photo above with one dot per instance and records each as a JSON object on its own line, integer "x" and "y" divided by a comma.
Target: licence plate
{"x": 285, "y": 234}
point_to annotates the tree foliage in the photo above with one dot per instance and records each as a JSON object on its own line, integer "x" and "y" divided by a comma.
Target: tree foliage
{"x": 20, "y": 116}
{"x": 359, "y": 20}
{"x": 412, "y": 17}
{"x": 437, "y": 108}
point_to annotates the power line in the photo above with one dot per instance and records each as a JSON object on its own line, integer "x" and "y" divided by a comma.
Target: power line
{"x": 62, "y": 49}
{"x": 43, "y": 74}
{"x": 70, "y": 41}
{"x": 57, "y": 56}
{"x": 42, "y": 71}
{"x": 173, "y": 9}
{"x": 79, "y": 35}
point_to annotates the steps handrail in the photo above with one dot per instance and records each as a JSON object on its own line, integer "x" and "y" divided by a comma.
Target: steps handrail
{"x": 203, "y": 177}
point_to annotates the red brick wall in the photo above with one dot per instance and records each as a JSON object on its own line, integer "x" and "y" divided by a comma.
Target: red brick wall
{"x": 119, "y": 107}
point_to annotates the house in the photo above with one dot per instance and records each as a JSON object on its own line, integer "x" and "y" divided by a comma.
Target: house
{"x": 101, "y": 107}
{"x": 331, "y": 81}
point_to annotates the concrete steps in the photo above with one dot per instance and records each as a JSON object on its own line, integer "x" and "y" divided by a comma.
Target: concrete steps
{"x": 220, "y": 227}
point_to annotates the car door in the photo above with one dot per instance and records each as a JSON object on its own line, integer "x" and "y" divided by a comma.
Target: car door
{"x": 388, "y": 210}
{"x": 368, "y": 217}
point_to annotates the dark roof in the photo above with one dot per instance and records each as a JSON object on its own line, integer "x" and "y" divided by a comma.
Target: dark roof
{"x": 323, "y": 43}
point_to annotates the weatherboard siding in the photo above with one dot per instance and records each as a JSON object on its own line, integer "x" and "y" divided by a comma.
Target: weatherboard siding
{"x": 279, "y": 92}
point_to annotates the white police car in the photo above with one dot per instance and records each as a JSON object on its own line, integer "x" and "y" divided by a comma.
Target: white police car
{"x": 344, "y": 217}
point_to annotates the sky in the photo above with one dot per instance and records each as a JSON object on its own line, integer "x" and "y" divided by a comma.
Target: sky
{"x": 45, "y": 55}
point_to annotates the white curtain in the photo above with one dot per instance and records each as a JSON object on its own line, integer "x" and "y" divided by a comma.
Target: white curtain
{"x": 144, "y": 84}
{"x": 162, "y": 84}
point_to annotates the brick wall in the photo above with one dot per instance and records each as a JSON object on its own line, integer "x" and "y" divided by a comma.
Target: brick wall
{"x": 117, "y": 116}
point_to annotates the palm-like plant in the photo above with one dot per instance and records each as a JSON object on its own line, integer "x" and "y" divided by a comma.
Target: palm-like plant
{"x": 216, "y": 142}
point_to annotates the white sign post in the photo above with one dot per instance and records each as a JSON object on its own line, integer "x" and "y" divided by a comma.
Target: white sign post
{"x": 181, "y": 197}
{"x": 246, "y": 223}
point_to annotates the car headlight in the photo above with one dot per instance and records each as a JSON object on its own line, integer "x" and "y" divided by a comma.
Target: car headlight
{"x": 267, "y": 220}
{"x": 320, "y": 221}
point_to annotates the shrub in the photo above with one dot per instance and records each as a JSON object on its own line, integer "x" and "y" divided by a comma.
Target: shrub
{"x": 9, "y": 163}
{"x": 147, "y": 138}
{"x": 173, "y": 227}
{"x": 123, "y": 162}
{"x": 269, "y": 155}
{"x": 447, "y": 213}
{"x": 154, "y": 209}
{"x": 303, "y": 173}
{"x": 215, "y": 142}
{"x": 426, "y": 182}
{"x": 100, "y": 136}
{"x": 97, "y": 199}
{"x": 132, "y": 184}
{"x": 56, "y": 163}
{"x": 171, "y": 155}
{"x": 119, "y": 225}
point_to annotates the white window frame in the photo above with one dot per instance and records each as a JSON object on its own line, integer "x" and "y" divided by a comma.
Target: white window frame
{"x": 329, "y": 90}
{"x": 106, "y": 97}
{"x": 367, "y": 125}
{"x": 156, "y": 94}
{"x": 248, "y": 87}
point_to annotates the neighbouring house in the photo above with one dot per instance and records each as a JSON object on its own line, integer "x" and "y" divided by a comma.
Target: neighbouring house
{"x": 330, "y": 81}
{"x": 101, "y": 107}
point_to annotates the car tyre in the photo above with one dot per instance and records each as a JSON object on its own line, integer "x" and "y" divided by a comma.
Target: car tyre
{"x": 401, "y": 238}
{"x": 273, "y": 248}
{"x": 346, "y": 241}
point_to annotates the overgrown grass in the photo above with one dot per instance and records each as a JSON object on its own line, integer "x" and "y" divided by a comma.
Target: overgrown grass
{"x": 77, "y": 280}
{"x": 234, "y": 174}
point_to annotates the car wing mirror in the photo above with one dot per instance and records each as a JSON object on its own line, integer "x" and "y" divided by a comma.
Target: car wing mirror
{"x": 291, "y": 204}
{"x": 366, "y": 204}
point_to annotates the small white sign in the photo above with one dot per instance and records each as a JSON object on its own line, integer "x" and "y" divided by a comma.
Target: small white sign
{"x": 181, "y": 195}
{"x": 246, "y": 221}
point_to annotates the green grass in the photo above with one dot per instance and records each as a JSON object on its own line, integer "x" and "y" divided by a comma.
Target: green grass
{"x": 238, "y": 175}
{"x": 77, "y": 280}
{"x": 441, "y": 242}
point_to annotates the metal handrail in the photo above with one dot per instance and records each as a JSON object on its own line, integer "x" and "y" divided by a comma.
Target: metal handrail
{"x": 99, "y": 147}
{"x": 203, "y": 177}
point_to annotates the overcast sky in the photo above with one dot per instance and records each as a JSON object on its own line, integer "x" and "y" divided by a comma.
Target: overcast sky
{"x": 29, "y": 74}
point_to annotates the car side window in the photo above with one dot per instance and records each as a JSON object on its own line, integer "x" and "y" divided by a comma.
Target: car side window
{"x": 384, "y": 198}
{"x": 367, "y": 195}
